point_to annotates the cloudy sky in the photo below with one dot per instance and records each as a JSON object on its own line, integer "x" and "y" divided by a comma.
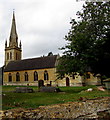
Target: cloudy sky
{"x": 41, "y": 24}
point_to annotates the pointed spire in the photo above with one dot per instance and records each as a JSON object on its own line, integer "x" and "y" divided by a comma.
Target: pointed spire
{"x": 20, "y": 45}
{"x": 6, "y": 43}
{"x": 13, "y": 40}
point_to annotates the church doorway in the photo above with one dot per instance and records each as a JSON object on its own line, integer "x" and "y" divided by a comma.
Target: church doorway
{"x": 67, "y": 81}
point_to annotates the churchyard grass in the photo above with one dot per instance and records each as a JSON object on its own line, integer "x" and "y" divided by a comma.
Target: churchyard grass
{"x": 12, "y": 100}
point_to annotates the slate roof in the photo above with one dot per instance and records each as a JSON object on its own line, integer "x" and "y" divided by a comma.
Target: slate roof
{"x": 31, "y": 64}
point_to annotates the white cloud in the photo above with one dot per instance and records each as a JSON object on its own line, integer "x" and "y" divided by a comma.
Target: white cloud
{"x": 41, "y": 24}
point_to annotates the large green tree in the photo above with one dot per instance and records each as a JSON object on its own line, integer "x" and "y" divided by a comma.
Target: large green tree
{"x": 88, "y": 47}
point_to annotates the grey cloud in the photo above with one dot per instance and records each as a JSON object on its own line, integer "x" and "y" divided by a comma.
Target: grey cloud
{"x": 41, "y": 24}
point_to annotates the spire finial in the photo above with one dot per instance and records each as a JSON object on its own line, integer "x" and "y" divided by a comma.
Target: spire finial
{"x": 13, "y": 10}
{"x": 5, "y": 43}
{"x": 13, "y": 14}
{"x": 20, "y": 45}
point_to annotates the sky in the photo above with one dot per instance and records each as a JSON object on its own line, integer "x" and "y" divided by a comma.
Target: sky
{"x": 41, "y": 25}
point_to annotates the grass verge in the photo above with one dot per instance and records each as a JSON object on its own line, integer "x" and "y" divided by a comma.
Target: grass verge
{"x": 12, "y": 100}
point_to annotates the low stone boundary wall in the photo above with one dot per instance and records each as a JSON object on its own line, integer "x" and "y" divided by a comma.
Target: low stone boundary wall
{"x": 98, "y": 109}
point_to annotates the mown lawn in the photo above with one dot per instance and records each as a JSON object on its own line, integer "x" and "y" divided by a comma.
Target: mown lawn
{"x": 33, "y": 100}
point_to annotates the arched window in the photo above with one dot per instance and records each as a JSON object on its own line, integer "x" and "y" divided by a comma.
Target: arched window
{"x": 10, "y": 55}
{"x": 17, "y": 76}
{"x": 10, "y": 77}
{"x": 88, "y": 76}
{"x": 46, "y": 76}
{"x": 35, "y": 76}
{"x": 26, "y": 76}
{"x": 7, "y": 56}
{"x": 16, "y": 56}
{"x": 67, "y": 81}
{"x": 73, "y": 76}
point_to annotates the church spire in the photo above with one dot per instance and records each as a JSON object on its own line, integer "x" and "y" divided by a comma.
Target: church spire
{"x": 13, "y": 52}
{"x": 13, "y": 40}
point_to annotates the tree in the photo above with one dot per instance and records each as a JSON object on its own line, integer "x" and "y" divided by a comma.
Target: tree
{"x": 50, "y": 54}
{"x": 88, "y": 47}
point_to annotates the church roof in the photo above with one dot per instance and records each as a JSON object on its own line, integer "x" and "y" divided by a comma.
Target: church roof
{"x": 31, "y": 64}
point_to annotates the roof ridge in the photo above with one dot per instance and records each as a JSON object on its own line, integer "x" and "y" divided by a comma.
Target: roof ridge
{"x": 33, "y": 63}
{"x": 33, "y": 58}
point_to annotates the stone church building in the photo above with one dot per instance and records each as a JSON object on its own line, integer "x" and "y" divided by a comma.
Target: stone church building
{"x": 35, "y": 70}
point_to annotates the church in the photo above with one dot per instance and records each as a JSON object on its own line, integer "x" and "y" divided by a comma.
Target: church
{"x": 18, "y": 71}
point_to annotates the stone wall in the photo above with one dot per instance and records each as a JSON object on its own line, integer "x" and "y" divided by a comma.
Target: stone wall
{"x": 1, "y": 75}
{"x": 77, "y": 80}
{"x": 31, "y": 82}
{"x": 85, "y": 109}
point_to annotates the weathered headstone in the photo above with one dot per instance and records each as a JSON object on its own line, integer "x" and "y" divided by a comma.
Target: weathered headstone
{"x": 40, "y": 83}
{"x": 50, "y": 84}
{"x": 23, "y": 90}
{"x": 49, "y": 89}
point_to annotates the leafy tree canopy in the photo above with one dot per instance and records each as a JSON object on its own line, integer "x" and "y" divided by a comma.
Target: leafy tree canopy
{"x": 88, "y": 47}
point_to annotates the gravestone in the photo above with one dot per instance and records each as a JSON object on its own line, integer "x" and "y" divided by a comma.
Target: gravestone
{"x": 49, "y": 89}
{"x": 40, "y": 83}
{"x": 23, "y": 90}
